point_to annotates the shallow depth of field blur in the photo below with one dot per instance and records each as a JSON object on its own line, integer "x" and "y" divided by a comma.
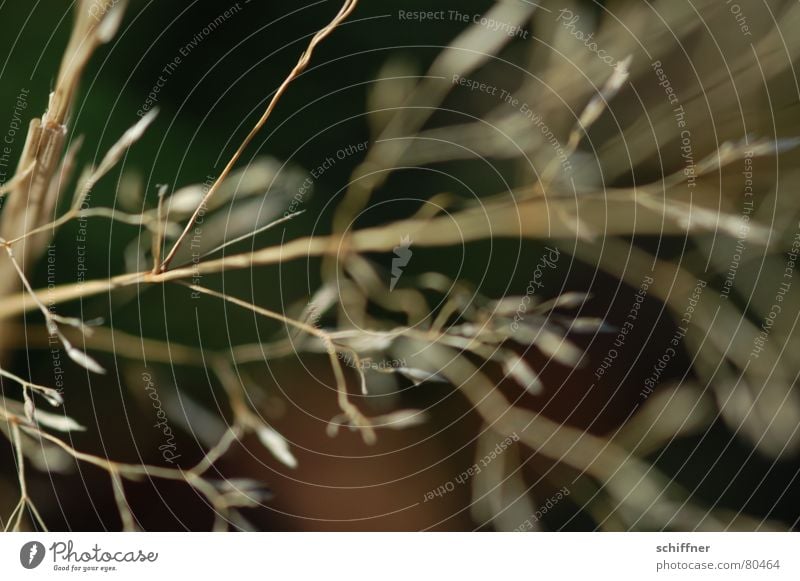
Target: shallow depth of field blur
{"x": 657, "y": 392}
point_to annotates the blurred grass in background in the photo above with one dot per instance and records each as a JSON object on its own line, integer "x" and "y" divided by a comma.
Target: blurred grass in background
{"x": 207, "y": 105}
